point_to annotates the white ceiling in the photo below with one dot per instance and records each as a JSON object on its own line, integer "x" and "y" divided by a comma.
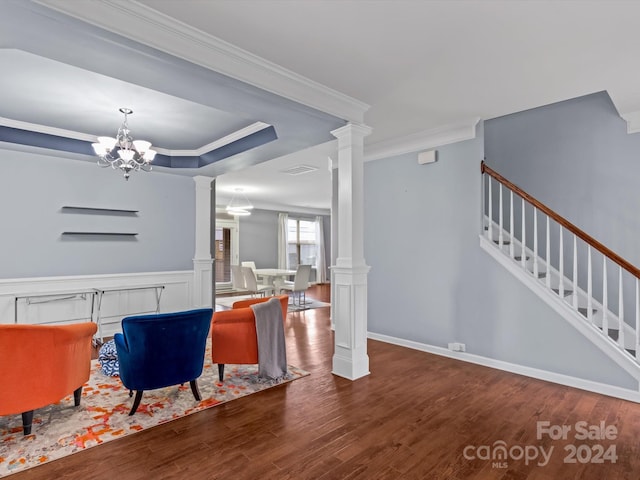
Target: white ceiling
{"x": 420, "y": 65}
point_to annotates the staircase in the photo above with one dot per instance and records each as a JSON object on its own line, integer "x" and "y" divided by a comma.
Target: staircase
{"x": 593, "y": 288}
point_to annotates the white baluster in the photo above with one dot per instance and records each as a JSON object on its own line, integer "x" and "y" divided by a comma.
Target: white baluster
{"x": 561, "y": 266}
{"x": 620, "y": 310}
{"x": 523, "y": 254}
{"x": 511, "y": 227}
{"x": 500, "y": 215}
{"x": 637, "y": 320}
{"x": 548, "y": 275}
{"x": 535, "y": 242}
{"x": 605, "y": 300}
{"x": 589, "y": 286}
{"x": 575, "y": 272}
{"x": 490, "y": 226}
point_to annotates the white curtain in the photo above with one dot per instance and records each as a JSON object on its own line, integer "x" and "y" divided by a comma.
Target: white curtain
{"x": 283, "y": 257}
{"x": 321, "y": 263}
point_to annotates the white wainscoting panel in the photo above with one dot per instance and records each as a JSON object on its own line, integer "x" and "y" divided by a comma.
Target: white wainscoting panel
{"x": 52, "y": 300}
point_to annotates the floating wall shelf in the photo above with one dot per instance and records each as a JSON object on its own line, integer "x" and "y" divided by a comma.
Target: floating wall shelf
{"x": 98, "y": 209}
{"x": 122, "y": 234}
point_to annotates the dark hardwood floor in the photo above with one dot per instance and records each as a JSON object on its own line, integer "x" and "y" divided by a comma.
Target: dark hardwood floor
{"x": 414, "y": 417}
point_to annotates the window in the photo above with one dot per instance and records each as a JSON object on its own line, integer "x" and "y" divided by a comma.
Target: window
{"x": 301, "y": 242}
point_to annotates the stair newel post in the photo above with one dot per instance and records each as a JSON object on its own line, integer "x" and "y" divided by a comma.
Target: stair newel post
{"x": 575, "y": 272}
{"x": 523, "y": 253}
{"x": 637, "y": 339}
{"x": 511, "y": 228}
{"x": 490, "y": 225}
{"x": 548, "y": 240}
{"x": 500, "y": 215}
{"x": 589, "y": 286}
{"x": 561, "y": 265}
{"x": 620, "y": 310}
{"x": 605, "y": 299}
{"x": 535, "y": 242}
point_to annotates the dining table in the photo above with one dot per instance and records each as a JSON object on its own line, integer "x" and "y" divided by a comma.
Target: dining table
{"x": 274, "y": 276}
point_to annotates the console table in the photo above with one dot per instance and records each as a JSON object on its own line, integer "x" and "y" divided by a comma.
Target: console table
{"x": 94, "y": 297}
{"x": 100, "y": 293}
{"x": 58, "y": 296}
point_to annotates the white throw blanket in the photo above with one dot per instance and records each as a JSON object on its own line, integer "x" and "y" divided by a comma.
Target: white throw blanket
{"x": 272, "y": 352}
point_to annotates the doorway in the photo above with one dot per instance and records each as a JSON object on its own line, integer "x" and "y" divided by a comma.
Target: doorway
{"x": 226, "y": 251}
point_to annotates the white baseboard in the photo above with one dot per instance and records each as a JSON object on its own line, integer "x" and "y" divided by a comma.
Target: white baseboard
{"x": 561, "y": 379}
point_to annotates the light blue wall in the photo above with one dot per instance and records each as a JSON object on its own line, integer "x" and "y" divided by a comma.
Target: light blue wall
{"x": 259, "y": 238}
{"x": 577, "y": 158}
{"x": 430, "y": 282}
{"x": 33, "y": 188}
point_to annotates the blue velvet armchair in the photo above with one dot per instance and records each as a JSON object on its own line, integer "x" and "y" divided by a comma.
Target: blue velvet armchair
{"x": 156, "y": 351}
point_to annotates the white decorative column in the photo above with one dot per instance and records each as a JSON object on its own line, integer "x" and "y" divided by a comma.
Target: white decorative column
{"x": 350, "y": 359}
{"x": 333, "y": 166}
{"x": 202, "y": 261}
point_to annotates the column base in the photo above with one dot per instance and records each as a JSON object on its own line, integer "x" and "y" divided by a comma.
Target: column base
{"x": 350, "y": 359}
{"x": 351, "y": 368}
{"x": 203, "y": 288}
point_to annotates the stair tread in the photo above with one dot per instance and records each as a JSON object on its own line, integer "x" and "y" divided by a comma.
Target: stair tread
{"x": 541, "y": 274}
{"x": 584, "y": 311}
{"x": 566, "y": 293}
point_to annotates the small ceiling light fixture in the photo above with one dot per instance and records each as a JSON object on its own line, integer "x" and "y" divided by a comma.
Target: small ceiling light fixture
{"x": 239, "y": 205}
{"x": 123, "y": 152}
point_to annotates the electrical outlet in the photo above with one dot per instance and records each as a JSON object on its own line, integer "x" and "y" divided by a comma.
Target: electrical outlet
{"x": 457, "y": 347}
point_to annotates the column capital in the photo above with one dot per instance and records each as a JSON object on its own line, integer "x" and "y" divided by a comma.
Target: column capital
{"x": 352, "y": 130}
{"x": 203, "y": 181}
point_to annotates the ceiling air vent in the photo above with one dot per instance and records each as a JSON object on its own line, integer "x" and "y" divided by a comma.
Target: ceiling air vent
{"x": 299, "y": 170}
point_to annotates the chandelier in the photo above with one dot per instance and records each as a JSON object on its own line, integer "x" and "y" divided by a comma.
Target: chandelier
{"x": 239, "y": 205}
{"x": 124, "y": 152}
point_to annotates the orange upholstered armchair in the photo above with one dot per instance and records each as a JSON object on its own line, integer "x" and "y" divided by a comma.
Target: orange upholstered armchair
{"x": 233, "y": 333}
{"x": 41, "y": 364}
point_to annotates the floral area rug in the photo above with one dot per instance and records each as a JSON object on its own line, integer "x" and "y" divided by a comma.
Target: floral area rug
{"x": 103, "y": 415}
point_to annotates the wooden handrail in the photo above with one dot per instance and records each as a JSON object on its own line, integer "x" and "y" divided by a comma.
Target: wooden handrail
{"x": 614, "y": 257}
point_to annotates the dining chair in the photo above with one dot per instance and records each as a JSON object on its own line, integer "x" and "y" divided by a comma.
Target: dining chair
{"x": 248, "y": 263}
{"x": 252, "y": 265}
{"x": 251, "y": 283}
{"x": 299, "y": 285}
{"x": 237, "y": 278}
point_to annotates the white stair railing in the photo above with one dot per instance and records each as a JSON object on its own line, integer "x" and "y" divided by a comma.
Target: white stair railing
{"x": 549, "y": 263}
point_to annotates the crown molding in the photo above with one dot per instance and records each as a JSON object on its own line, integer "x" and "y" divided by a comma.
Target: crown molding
{"x": 222, "y": 200}
{"x": 221, "y": 142}
{"x": 633, "y": 121}
{"x": 58, "y": 132}
{"x": 424, "y": 140}
{"x": 209, "y": 147}
{"x": 148, "y": 26}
